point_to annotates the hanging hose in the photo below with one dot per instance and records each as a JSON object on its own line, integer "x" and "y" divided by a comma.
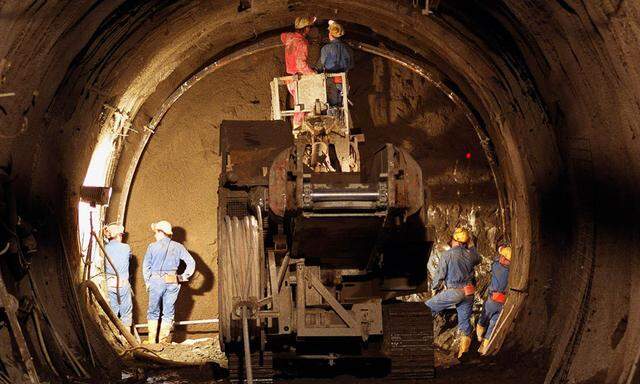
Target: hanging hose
{"x": 43, "y": 345}
{"x": 241, "y": 259}
{"x": 247, "y": 348}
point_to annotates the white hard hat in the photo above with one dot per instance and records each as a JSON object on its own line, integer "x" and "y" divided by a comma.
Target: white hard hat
{"x": 163, "y": 226}
{"x": 113, "y": 230}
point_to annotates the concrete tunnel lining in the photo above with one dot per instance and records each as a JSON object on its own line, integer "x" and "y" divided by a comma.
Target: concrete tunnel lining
{"x": 501, "y": 93}
{"x": 260, "y": 46}
{"x": 273, "y": 43}
{"x": 193, "y": 122}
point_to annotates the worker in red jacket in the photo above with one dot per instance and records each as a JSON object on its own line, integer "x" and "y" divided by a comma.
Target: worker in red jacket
{"x": 296, "y": 55}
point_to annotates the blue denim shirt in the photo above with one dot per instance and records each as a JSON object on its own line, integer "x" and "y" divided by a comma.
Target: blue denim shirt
{"x": 499, "y": 277}
{"x": 156, "y": 262}
{"x": 456, "y": 267}
{"x": 335, "y": 57}
{"x": 120, "y": 254}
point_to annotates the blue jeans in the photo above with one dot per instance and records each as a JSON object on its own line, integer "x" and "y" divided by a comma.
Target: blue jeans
{"x": 334, "y": 94}
{"x": 161, "y": 292}
{"x": 489, "y": 318}
{"x": 125, "y": 308}
{"x": 457, "y": 298}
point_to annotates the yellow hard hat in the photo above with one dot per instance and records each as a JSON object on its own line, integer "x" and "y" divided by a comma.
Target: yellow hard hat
{"x": 335, "y": 29}
{"x": 302, "y": 22}
{"x": 113, "y": 230}
{"x": 505, "y": 251}
{"x": 163, "y": 226}
{"x": 461, "y": 235}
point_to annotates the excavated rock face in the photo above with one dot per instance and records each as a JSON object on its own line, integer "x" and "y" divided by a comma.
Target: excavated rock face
{"x": 550, "y": 88}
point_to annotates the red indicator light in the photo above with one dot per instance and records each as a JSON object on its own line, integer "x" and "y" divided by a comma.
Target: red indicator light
{"x": 468, "y": 155}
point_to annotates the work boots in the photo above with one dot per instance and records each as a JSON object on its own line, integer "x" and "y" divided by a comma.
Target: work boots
{"x": 165, "y": 332}
{"x": 480, "y": 332}
{"x": 465, "y": 343}
{"x": 153, "y": 331}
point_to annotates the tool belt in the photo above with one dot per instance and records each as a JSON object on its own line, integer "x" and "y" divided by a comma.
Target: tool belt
{"x": 498, "y": 297}
{"x": 469, "y": 289}
{"x": 169, "y": 278}
{"x": 112, "y": 282}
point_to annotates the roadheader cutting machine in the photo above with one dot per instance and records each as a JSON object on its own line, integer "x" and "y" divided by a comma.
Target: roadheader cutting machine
{"x": 314, "y": 249}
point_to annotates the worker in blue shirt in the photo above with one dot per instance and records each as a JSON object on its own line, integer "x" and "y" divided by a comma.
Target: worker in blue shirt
{"x": 335, "y": 57}
{"x": 497, "y": 297}
{"x": 456, "y": 272}
{"x": 118, "y": 279}
{"x": 159, "y": 270}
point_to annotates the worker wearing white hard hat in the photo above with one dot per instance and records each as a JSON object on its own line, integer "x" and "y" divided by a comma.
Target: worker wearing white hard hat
{"x": 335, "y": 57}
{"x": 159, "y": 270}
{"x": 119, "y": 254}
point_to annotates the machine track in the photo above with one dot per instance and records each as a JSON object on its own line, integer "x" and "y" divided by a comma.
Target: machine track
{"x": 262, "y": 368}
{"x": 408, "y": 341}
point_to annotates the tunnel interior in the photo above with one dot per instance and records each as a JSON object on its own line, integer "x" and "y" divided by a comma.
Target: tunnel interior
{"x": 522, "y": 116}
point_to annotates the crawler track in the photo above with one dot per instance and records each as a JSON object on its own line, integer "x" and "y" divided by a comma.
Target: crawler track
{"x": 262, "y": 368}
{"x": 408, "y": 341}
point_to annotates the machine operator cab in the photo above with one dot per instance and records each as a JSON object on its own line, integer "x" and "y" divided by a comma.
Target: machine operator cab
{"x": 326, "y": 132}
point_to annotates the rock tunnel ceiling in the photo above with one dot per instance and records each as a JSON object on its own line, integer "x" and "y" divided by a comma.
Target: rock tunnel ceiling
{"x": 544, "y": 80}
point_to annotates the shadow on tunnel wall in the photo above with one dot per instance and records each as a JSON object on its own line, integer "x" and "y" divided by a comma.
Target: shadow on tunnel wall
{"x": 186, "y": 302}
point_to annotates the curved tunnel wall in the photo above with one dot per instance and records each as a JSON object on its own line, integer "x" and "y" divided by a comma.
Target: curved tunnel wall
{"x": 553, "y": 83}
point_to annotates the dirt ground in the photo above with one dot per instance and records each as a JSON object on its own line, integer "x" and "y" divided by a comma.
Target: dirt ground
{"x": 177, "y": 177}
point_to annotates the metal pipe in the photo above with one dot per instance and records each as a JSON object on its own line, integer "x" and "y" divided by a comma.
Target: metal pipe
{"x": 78, "y": 369}
{"x": 93, "y": 288}
{"x": 247, "y": 349}
{"x": 135, "y": 346}
{"x": 344, "y": 196}
{"x": 76, "y": 300}
{"x": 634, "y": 367}
{"x": 186, "y": 322}
{"x": 43, "y": 345}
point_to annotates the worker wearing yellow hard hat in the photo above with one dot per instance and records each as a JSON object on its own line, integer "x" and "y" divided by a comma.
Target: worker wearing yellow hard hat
{"x": 497, "y": 296}
{"x": 159, "y": 269}
{"x": 454, "y": 283}
{"x": 117, "y": 270}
